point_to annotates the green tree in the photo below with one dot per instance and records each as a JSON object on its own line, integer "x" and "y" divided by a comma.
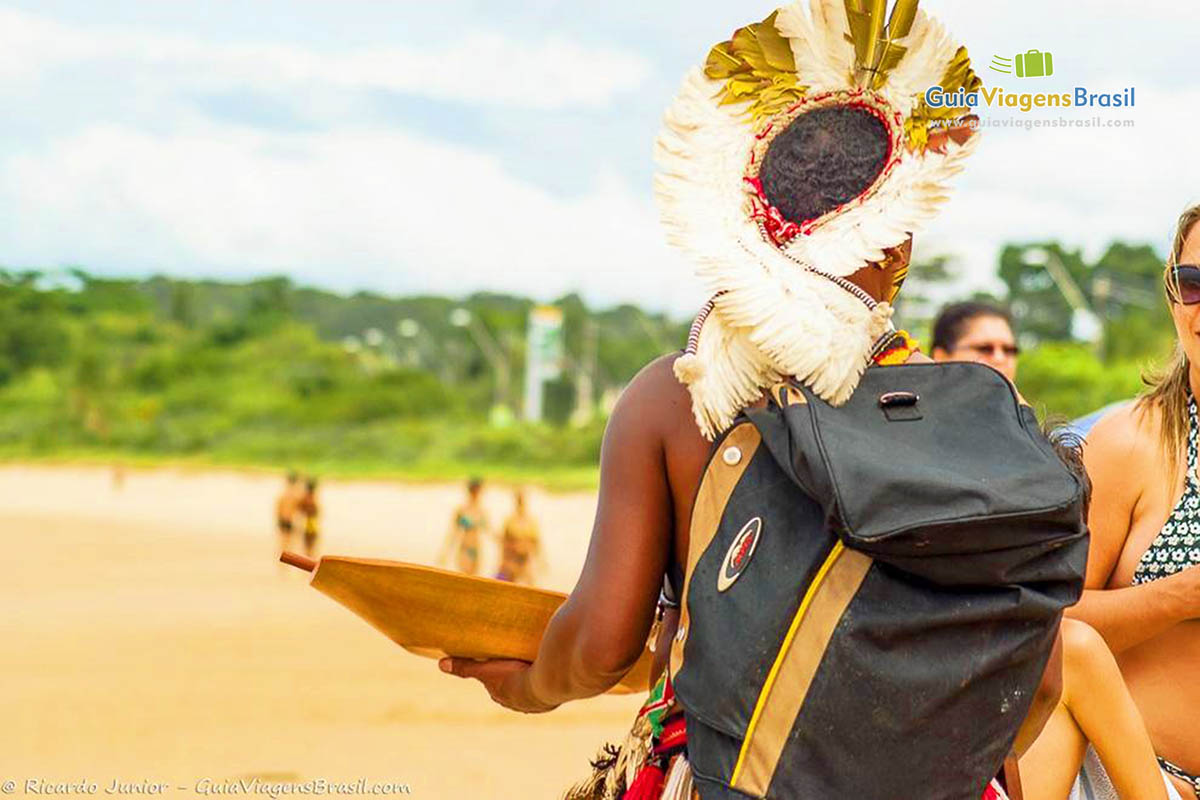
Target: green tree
{"x": 1040, "y": 310}
{"x": 1065, "y": 380}
{"x": 32, "y": 325}
{"x": 183, "y": 304}
{"x": 93, "y": 378}
{"x": 915, "y": 306}
{"x": 1126, "y": 291}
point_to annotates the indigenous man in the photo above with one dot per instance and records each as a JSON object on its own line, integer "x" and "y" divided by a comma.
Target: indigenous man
{"x": 793, "y": 168}
{"x": 520, "y": 545}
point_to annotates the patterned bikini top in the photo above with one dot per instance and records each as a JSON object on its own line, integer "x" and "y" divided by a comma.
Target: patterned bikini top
{"x": 1177, "y": 545}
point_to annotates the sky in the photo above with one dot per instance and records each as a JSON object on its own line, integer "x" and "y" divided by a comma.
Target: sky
{"x": 412, "y": 147}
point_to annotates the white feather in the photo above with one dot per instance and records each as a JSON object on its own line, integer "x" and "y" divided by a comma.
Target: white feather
{"x": 775, "y": 318}
{"x": 930, "y": 51}
{"x": 678, "y": 785}
{"x": 824, "y": 62}
{"x": 733, "y": 378}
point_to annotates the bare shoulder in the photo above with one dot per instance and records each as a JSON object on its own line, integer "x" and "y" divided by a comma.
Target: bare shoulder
{"x": 655, "y": 396}
{"x": 1122, "y": 458}
{"x": 657, "y": 378}
{"x": 1125, "y": 435}
{"x": 656, "y": 409}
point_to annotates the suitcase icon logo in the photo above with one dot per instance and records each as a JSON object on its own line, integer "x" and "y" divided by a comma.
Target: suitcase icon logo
{"x": 1035, "y": 64}
{"x": 1031, "y": 64}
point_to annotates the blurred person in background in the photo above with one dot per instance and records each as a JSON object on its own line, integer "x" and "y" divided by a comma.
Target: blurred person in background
{"x": 311, "y": 510}
{"x": 286, "y": 506}
{"x": 466, "y": 529}
{"x": 976, "y": 332}
{"x": 520, "y": 545}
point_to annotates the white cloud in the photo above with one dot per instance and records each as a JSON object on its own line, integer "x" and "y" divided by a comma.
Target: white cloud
{"x": 142, "y": 180}
{"x": 477, "y": 68}
{"x": 1084, "y": 187}
{"x": 352, "y": 209}
{"x": 1167, "y": 10}
{"x": 161, "y": 187}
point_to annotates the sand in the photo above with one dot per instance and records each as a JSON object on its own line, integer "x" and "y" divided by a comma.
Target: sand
{"x": 149, "y": 635}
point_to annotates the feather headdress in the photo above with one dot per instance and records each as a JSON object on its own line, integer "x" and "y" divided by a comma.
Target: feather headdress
{"x": 781, "y": 304}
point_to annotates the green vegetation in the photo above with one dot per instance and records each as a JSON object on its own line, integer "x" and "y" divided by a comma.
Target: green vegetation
{"x": 1062, "y": 378}
{"x": 261, "y": 374}
{"x": 272, "y": 375}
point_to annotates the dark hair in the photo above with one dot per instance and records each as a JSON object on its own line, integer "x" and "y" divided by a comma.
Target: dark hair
{"x": 823, "y": 159}
{"x": 311, "y": 484}
{"x": 952, "y": 322}
{"x": 1068, "y": 446}
{"x": 474, "y": 484}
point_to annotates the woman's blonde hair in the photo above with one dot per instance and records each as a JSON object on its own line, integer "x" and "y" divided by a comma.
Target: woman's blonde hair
{"x": 1168, "y": 390}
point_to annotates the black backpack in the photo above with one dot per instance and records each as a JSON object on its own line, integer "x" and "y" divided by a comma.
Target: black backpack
{"x": 872, "y": 591}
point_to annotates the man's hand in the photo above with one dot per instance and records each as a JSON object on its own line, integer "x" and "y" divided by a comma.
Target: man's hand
{"x": 506, "y": 680}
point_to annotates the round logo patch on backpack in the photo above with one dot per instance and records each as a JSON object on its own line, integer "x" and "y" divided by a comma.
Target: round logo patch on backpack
{"x": 739, "y": 554}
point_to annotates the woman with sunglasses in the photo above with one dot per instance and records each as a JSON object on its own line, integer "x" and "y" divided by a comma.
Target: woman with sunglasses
{"x": 1143, "y": 594}
{"x": 976, "y": 332}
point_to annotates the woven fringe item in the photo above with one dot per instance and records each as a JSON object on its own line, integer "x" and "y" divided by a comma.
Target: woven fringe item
{"x": 634, "y": 753}
{"x": 679, "y": 780}
{"x": 615, "y": 769}
{"x": 619, "y": 774}
{"x": 604, "y": 782}
{"x": 647, "y": 785}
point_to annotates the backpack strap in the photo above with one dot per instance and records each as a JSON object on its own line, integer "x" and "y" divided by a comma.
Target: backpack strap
{"x": 730, "y": 457}
{"x": 787, "y": 393}
{"x": 795, "y": 667}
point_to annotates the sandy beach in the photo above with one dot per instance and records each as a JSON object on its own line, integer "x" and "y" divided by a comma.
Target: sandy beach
{"x": 150, "y": 636}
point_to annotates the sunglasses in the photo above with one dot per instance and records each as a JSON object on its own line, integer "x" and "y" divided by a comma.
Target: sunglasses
{"x": 1010, "y": 350}
{"x": 1183, "y": 284}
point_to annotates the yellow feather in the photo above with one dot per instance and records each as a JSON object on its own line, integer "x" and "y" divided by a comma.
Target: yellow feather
{"x": 758, "y": 68}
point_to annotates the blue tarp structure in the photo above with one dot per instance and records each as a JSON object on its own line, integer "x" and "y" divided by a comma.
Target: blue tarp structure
{"x": 1084, "y": 424}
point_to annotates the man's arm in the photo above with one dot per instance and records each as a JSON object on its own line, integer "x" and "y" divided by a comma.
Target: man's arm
{"x": 1119, "y": 448}
{"x": 601, "y": 630}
